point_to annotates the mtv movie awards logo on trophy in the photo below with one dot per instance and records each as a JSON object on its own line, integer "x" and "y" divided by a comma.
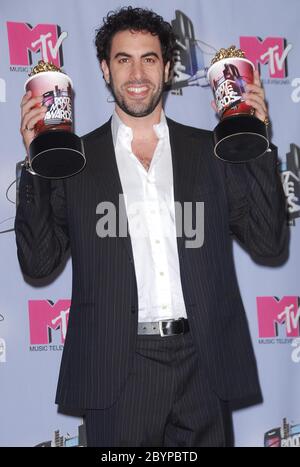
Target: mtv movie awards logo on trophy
{"x": 286, "y": 436}
{"x": 48, "y": 323}
{"x": 271, "y": 51}
{"x": 44, "y": 40}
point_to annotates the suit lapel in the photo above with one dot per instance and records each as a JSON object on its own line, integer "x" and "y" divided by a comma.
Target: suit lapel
{"x": 103, "y": 170}
{"x": 185, "y": 158}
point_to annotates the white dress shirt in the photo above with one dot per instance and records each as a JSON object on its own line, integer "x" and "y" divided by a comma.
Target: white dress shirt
{"x": 149, "y": 201}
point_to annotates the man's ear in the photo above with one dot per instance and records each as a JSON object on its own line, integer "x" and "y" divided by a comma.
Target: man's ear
{"x": 167, "y": 72}
{"x": 105, "y": 71}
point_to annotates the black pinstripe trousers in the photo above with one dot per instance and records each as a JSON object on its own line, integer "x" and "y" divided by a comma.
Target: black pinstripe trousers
{"x": 167, "y": 401}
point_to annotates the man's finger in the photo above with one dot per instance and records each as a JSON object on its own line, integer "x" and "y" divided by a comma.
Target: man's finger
{"x": 256, "y": 102}
{"x": 253, "y": 88}
{"x": 257, "y": 80}
{"x": 25, "y": 98}
{"x": 30, "y": 104}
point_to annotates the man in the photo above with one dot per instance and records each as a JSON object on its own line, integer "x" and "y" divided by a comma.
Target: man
{"x": 157, "y": 343}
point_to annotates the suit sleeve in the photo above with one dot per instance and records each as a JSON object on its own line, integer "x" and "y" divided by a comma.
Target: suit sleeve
{"x": 257, "y": 208}
{"x": 40, "y": 225}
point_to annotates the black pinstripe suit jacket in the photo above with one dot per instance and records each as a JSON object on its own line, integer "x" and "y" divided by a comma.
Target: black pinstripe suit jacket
{"x": 244, "y": 200}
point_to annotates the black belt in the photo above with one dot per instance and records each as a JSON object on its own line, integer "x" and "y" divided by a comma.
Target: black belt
{"x": 168, "y": 327}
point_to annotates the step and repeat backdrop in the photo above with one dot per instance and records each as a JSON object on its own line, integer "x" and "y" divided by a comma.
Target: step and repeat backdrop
{"x": 34, "y": 315}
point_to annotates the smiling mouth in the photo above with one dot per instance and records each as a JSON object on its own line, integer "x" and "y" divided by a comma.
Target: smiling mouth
{"x": 137, "y": 91}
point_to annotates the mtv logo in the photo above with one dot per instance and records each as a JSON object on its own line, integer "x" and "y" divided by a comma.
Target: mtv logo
{"x": 272, "y": 312}
{"x": 271, "y": 50}
{"x": 46, "y": 317}
{"x": 24, "y": 39}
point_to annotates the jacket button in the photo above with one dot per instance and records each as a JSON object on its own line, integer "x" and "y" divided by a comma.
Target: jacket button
{"x": 133, "y": 309}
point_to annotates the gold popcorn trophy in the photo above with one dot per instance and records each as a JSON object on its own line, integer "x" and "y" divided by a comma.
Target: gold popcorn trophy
{"x": 55, "y": 152}
{"x": 239, "y": 136}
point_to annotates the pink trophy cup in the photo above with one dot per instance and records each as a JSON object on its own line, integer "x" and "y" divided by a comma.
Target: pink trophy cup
{"x": 55, "y": 152}
{"x": 239, "y": 136}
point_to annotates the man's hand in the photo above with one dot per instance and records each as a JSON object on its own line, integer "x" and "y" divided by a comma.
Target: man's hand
{"x": 255, "y": 96}
{"x": 31, "y": 112}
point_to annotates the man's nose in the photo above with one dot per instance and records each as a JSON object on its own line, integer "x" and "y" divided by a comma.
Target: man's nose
{"x": 137, "y": 70}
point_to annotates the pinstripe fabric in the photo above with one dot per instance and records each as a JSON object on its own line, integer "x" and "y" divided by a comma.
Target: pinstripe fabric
{"x": 167, "y": 401}
{"x": 244, "y": 200}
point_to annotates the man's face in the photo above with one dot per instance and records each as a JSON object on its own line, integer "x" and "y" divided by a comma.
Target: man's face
{"x": 136, "y": 72}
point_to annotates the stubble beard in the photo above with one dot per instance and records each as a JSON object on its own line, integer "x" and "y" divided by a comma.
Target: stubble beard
{"x": 137, "y": 109}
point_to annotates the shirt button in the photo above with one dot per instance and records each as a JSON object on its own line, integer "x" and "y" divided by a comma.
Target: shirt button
{"x": 164, "y": 307}
{"x": 157, "y": 241}
{"x": 161, "y": 273}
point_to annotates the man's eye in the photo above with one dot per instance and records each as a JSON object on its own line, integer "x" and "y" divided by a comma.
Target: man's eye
{"x": 123, "y": 60}
{"x": 149, "y": 60}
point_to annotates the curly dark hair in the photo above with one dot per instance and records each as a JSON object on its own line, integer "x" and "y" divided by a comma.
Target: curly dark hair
{"x": 136, "y": 19}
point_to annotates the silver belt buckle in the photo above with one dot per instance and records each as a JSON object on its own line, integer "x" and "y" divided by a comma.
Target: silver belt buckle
{"x": 161, "y": 330}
